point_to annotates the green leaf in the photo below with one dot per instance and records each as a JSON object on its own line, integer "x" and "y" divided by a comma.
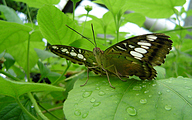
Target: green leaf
{"x": 14, "y": 112}
{"x": 136, "y": 18}
{"x": 116, "y": 7}
{"x": 159, "y": 99}
{"x": 42, "y": 54}
{"x": 154, "y": 9}
{"x": 10, "y": 14}
{"x": 12, "y": 34}
{"x": 39, "y": 3}
{"x": 13, "y": 88}
{"x": 52, "y": 23}
{"x": 9, "y": 60}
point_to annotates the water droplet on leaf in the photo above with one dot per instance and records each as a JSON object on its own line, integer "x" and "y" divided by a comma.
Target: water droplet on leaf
{"x": 87, "y": 94}
{"x": 146, "y": 91}
{"x": 168, "y": 107}
{"x": 92, "y": 100}
{"x": 143, "y": 101}
{"x": 101, "y": 93}
{"x": 85, "y": 115}
{"x": 77, "y": 112}
{"x": 137, "y": 88}
{"x": 96, "y": 104}
{"x": 131, "y": 111}
{"x": 154, "y": 85}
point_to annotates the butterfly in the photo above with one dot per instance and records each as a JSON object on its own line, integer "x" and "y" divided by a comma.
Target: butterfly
{"x": 133, "y": 56}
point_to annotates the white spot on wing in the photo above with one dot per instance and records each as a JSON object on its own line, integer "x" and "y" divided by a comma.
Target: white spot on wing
{"x": 64, "y": 50}
{"x": 121, "y": 48}
{"x": 146, "y": 47}
{"x": 141, "y": 50}
{"x": 151, "y": 37}
{"x": 73, "y": 53}
{"x": 125, "y": 44}
{"x": 136, "y": 54}
{"x": 144, "y": 43}
{"x": 131, "y": 46}
{"x": 80, "y": 56}
{"x": 79, "y": 50}
{"x": 55, "y": 47}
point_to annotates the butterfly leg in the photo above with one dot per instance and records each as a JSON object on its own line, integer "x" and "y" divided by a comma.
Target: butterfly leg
{"x": 118, "y": 75}
{"x": 108, "y": 78}
{"x": 88, "y": 75}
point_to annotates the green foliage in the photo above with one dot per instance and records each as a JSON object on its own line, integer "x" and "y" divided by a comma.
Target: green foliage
{"x": 22, "y": 52}
{"x": 160, "y": 99}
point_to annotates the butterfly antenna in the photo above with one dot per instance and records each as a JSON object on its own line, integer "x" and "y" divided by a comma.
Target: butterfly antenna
{"x": 80, "y": 34}
{"x": 93, "y": 35}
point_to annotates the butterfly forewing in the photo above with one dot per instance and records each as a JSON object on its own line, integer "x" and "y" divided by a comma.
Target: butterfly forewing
{"x": 77, "y": 56}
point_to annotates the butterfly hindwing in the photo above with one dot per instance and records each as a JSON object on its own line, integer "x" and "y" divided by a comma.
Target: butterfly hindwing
{"x": 151, "y": 48}
{"x": 138, "y": 55}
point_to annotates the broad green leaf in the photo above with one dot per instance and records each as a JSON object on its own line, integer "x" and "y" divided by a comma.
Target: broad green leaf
{"x": 42, "y": 54}
{"x": 12, "y": 34}
{"x": 116, "y": 7}
{"x": 14, "y": 112}
{"x": 15, "y": 89}
{"x": 154, "y": 8}
{"x": 19, "y": 52}
{"x": 136, "y": 18}
{"x": 9, "y": 60}
{"x": 39, "y": 3}
{"x": 14, "y": 39}
{"x": 10, "y": 14}
{"x": 45, "y": 72}
{"x": 158, "y": 99}
{"x": 52, "y": 23}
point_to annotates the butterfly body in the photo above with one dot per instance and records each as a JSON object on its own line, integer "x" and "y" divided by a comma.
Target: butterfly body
{"x": 133, "y": 56}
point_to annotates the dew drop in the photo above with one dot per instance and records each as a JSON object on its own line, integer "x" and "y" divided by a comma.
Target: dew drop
{"x": 87, "y": 94}
{"x": 168, "y": 90}
{"x": 189, "y": 96}
{"x": 137, "y": 88}
{"x": 137, "y": 94}
{"x": 131, "y": 111}
{"x": 92, "y": 100}
{"x": 168, "y": 107}
{"x": 160, "y": 93}
{"x": 143, "y": 101}
{"x": 101, "y": 93}
{"x": 97, "y": 88}
{"x": 144, "y": 86}
{"x": 77, "y": 112}
{"x": 150, "y": 95}
{"x": 154, "y": 85}
{"x": 96, "y": 104}
{"x": 146, "y": 91}
{"x": 85, "y": 115}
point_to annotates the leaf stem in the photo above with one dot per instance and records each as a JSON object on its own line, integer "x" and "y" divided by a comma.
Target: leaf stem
{"x": 10, "y": 76}
{"x": 24, "y": 109}
{"x": 36, "y": 107}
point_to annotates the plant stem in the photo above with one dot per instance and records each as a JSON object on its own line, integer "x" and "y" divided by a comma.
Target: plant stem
{"x": 24, "y": 109}
{"x": 10, "y": 76}
{"x": 36, "y": 107}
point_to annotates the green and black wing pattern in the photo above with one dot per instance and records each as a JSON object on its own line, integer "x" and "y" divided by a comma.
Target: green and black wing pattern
{"x": 141, "y": 53}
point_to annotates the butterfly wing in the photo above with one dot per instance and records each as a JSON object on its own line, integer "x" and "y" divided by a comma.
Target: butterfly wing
{"x": 77, "y": 56}
{"x": 151, "y": 48}
{"x": 138, "y": 55}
